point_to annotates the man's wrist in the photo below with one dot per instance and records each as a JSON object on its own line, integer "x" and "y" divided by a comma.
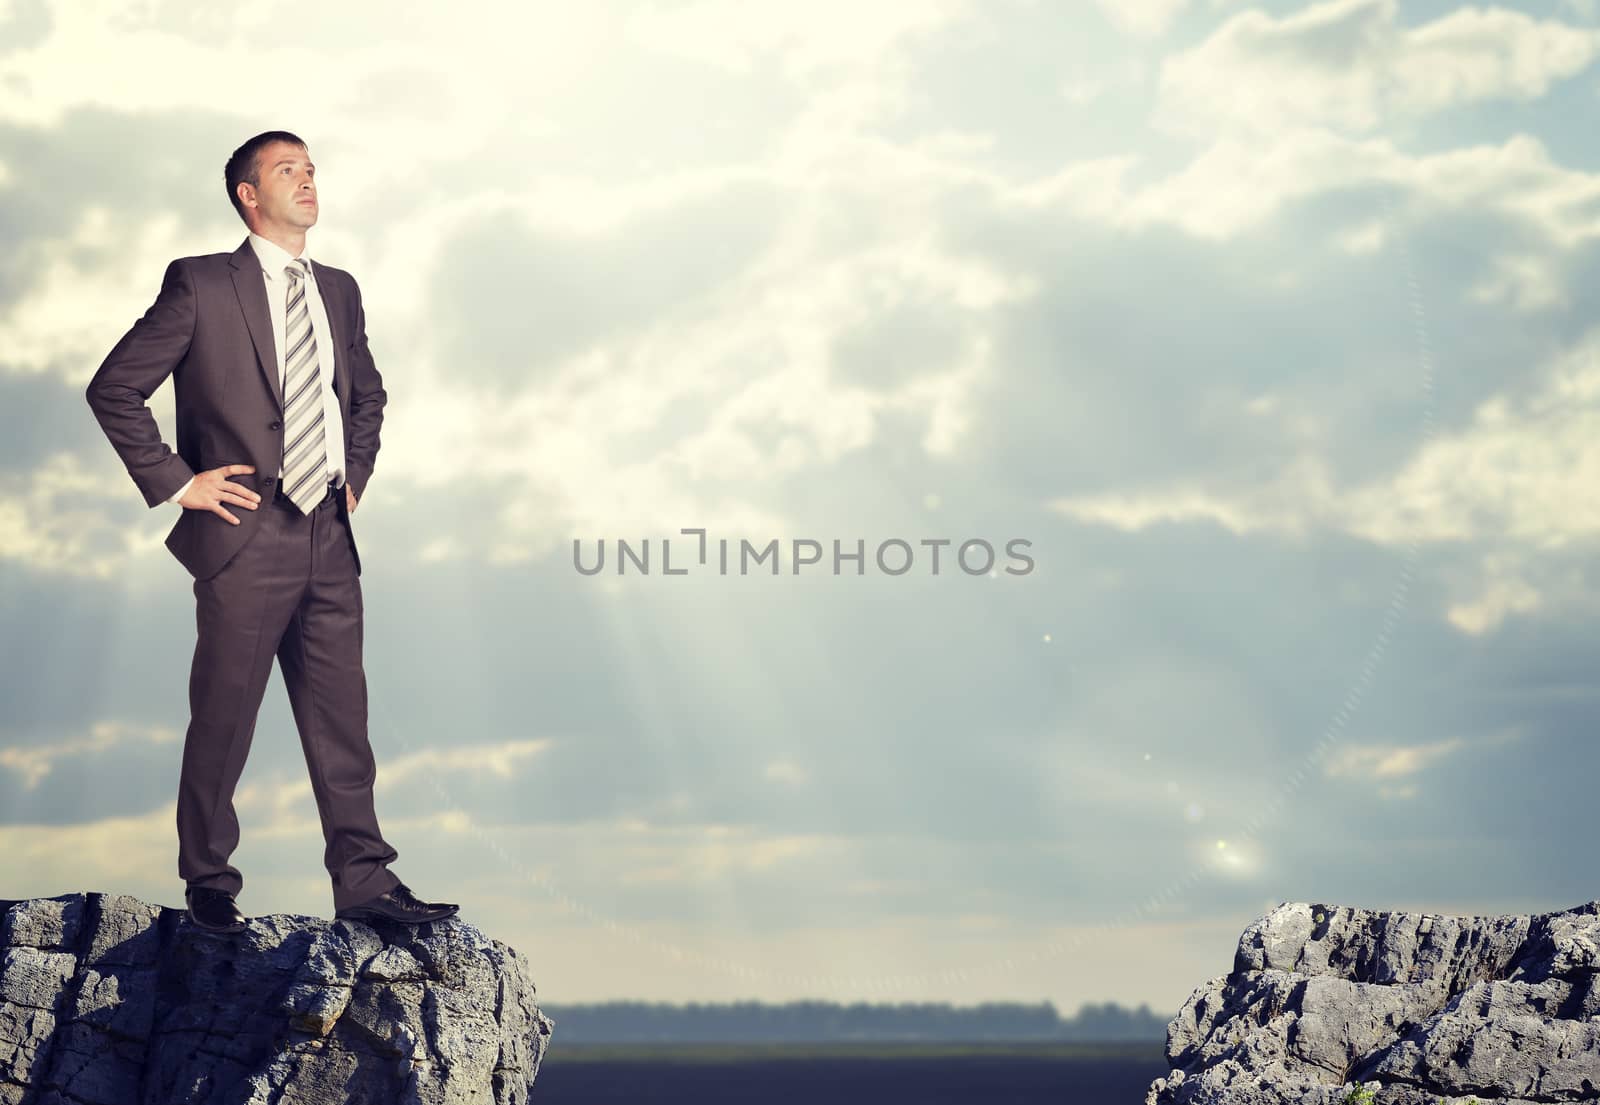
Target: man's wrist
{"x": 177, "y": 495}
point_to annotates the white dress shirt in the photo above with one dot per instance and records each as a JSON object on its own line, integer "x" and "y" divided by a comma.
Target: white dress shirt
{"x": 274, "y": 259}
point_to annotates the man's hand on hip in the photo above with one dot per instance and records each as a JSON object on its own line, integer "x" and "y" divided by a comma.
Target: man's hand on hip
{"x": 212, "y": 488}
{"x": 349, "y": 498}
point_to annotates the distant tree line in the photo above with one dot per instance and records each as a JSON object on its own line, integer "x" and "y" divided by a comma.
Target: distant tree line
{"x": 819, "y": 1021}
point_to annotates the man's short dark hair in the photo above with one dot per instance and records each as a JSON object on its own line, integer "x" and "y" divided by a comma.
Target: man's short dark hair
{"x": 242, "y": 165}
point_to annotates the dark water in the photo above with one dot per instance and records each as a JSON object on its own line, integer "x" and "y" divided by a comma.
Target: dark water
{"x": 923, "y": 1074}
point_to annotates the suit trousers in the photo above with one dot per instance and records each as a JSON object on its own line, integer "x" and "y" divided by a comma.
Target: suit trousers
{"x": 292, "y": 591}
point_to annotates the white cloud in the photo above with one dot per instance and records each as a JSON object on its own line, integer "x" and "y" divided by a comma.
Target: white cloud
{"x": 1084, "y": 88}
{"x": 1526, "y": 282}
{"x": 1351, "y": 64}
{"x": 1398, "y": 771}
{"x": 75, "y": 307}
{"x": 755, "y": 355}
{"x": 1236, "y": 186}
{"x": 287, "y": 798}
{"x": 1376, "y": 762}
{"x": 1502, "y": 591}
{"x": 499, "y": 759}
{"x": 1301, "y": 497}
{"x": 697, "y": 854}
{"x": 1520, "y": 472}
{"x": 1143, "y": 18}
{"x": 802, "y": 38}
{"x": 787, "y": 772}
{"x": 141, "y": 57}
{"x": 34, "y": 762}
{"x": 58, "y": 518}
{"x": 112, "y": 853}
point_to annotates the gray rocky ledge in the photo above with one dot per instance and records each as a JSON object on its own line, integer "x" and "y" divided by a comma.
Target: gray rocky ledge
{"x": 107, "y": 1000}
{"x": 1330, "y": 1003}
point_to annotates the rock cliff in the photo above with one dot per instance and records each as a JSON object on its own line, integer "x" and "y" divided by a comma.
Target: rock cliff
{"x": 1328, "y": 1004}
{"x": 107, "y": 1000}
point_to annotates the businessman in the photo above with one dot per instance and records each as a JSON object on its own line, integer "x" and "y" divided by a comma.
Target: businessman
{"x": 278, "y": 408}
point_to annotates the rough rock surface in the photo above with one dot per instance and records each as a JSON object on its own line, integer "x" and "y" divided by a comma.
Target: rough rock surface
{"x": 1327, "y": 1003}
{"x": 106, "y": 1000}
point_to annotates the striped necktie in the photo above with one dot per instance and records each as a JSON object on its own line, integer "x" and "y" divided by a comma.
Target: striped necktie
{"x": 305, "y": 455}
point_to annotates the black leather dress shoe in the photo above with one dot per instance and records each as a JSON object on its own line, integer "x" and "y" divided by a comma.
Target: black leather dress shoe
{"x": 400, "y": 905}
{"x": 213, "y": 910}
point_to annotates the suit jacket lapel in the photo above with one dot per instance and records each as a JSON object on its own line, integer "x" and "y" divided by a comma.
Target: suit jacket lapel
{"x": 252, "y": 293}
{"x": 333, "y": 305}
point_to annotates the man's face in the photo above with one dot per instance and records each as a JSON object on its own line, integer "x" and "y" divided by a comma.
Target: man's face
{"x": 287, "y": 195}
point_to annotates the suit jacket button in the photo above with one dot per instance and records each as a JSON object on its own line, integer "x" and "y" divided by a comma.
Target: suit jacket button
{"x": 274, "y": 425}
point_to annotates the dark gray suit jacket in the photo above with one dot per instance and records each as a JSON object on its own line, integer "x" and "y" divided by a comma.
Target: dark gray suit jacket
{"x": 210, "y": 330}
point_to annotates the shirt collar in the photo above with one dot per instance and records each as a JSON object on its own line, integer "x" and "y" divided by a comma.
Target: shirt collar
{"x": 273, "y": 257}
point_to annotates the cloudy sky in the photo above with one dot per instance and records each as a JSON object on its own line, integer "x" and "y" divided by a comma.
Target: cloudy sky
{"x": 1269, "y": 326}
